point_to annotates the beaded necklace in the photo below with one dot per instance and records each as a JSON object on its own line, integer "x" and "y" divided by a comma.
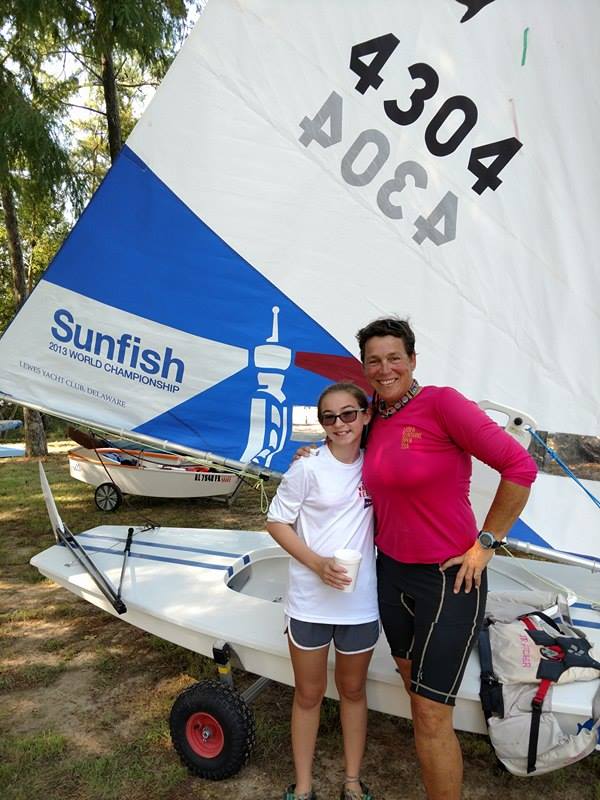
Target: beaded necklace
{"x": 387, "y": 412}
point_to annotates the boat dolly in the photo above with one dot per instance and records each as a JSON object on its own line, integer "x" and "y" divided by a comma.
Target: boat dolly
{"x": 212, "y": 726}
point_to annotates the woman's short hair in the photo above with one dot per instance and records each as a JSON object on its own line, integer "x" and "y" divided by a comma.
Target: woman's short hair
{"x": 387, "y": 326}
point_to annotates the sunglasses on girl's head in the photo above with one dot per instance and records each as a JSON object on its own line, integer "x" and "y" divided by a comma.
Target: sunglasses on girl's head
{"x": 346, "y": 416}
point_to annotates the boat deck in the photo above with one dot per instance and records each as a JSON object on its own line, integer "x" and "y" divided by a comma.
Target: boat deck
{"x": 194, "y": 587}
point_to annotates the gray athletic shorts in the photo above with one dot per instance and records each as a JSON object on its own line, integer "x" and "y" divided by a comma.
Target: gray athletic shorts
{"x": 347, "y": 639}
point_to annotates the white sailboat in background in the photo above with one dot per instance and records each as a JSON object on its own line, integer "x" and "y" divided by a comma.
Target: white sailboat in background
{"x": 115, "y": 471}
{"x": 304, "y": 168}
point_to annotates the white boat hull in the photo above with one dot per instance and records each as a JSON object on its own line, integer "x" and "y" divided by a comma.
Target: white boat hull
{"x": 210, "y": 585}
{"x": 153, "y": 474}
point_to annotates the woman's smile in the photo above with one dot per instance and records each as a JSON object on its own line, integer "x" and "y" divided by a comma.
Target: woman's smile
{"x": 388, "y": 367}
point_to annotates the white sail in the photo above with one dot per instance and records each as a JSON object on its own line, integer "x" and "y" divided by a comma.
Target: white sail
{"x": 306, "y": 167}
{"x": 503, "y": 309}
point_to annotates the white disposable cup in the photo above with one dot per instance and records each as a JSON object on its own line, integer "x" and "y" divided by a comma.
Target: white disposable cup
{"x": 350, "y": 560}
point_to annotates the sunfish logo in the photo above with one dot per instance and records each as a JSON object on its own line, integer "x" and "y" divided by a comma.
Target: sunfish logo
{"x": 126, "y": 350}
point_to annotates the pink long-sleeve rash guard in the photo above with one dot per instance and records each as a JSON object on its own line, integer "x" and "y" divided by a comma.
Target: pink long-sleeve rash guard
{"x": 417, "y": 469}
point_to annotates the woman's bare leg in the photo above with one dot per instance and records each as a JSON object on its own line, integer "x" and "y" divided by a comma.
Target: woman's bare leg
{"x": 438, "y": 749}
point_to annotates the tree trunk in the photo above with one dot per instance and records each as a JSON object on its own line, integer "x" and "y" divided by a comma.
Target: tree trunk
{"x": 14, "y": 245}
{"x": 35, "y": 436}
{"x": 111, "y": 100}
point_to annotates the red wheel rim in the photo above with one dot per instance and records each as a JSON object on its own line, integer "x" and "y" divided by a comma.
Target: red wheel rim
{"x": 205, "y": 735}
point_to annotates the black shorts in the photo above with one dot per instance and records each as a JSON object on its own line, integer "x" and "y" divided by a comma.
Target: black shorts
{"x": 425, "y": 622}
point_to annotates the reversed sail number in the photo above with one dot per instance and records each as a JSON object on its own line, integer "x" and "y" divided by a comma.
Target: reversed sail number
{"x": 373, "y": 141}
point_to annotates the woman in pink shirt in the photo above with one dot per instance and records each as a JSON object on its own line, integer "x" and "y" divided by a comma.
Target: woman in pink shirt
{"x": 431, "y": 557}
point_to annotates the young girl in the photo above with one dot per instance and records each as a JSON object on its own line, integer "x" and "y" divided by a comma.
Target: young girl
{"x": 321, "y": 506}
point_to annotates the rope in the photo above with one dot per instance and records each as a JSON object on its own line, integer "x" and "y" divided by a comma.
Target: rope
{"x": 562, "y": 464}
{"x": 553, "y": 584}
{"x": 258, "y": 484}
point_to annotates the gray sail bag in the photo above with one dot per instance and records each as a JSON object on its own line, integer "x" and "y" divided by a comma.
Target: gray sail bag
{"x": 521, "y": 661}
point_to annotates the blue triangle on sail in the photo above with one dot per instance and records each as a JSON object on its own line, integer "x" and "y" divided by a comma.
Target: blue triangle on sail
{"x": 521, "y": 530}
{"x": 137, "y": 247}
{"x": 140, "y": 249}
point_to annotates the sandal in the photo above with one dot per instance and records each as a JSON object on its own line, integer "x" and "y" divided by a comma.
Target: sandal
{"x": 352, "y": 794}
{"x": 290, "y": 794}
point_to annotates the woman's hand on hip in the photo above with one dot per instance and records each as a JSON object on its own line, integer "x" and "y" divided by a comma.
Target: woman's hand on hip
{"x": 332, "y": 574}
{"x": 473, "y": 562}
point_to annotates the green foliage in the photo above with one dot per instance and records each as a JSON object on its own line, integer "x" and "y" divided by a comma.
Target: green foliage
{"x": 52, "y": 57}
{"x": 90, "y": 152}
{"x": 43, "y": 227}
{"x": 29, "y": 134}
{"x": 35, "y": 174}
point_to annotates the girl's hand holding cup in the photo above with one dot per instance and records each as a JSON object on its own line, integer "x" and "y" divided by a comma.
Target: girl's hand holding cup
{"x": 349, "y": 560}
{"x": 333, "y": 574}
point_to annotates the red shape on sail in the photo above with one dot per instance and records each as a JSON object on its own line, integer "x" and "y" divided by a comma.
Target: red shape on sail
{"x": 336, "y": 368}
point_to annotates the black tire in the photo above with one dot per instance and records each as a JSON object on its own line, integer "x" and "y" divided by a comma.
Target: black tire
{"x": 212, "y": 730}
{"x": 108, "y": 497}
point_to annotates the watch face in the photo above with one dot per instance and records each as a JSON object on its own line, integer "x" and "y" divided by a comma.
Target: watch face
{"x": 486, "y": 540}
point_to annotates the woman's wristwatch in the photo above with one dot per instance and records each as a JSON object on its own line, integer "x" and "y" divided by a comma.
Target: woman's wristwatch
{"x": 488, "y": 541}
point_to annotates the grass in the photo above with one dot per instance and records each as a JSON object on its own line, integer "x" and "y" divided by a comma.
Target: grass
{"x": 30, "y": 676}
{"x": 47, "y": 765}
{"x": 29, "y": 765}
{"x": 85, "y": 700}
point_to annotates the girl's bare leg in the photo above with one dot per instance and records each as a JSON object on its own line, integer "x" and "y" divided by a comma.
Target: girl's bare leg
{"x": 350, "y": 679}
{"x": 310, "y": 674}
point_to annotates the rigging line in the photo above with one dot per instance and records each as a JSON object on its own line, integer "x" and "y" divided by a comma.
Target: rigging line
{"x": 537, "y": 578}
{"x": 264, "y": 500}
{"x": 141, "y": 457}
{"x": 553, "y": 584}
{"x": 562, "y": 464}
{"x": 259, "y": 485}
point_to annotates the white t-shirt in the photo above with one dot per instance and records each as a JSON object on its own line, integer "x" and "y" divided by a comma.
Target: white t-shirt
{"x": 328, "y": 506}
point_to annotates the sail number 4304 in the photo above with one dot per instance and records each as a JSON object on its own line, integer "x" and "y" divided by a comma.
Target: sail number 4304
{"x": 381, "y": 48}
{"x": 325, "y": 128}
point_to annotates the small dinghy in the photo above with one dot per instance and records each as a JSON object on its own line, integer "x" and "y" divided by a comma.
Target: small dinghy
{"x": 114, "y": 471}
{"x": 118, "y": 468}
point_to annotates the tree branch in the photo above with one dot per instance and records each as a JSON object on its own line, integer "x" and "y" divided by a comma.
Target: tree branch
{"x": 78, "y": 57}
{"x": 137, "y": 85}
{"x": 85, "y": 108}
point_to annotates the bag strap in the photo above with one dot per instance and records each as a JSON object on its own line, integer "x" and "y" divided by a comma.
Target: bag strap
{"x": 534, "y": 729}
{"x": 548, "y": 620}
{"x": 490, "y": 690}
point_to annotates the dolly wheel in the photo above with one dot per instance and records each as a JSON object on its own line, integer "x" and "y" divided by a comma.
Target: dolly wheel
{"x": 108, "y": 497}
{"x": 212, "y": 729}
